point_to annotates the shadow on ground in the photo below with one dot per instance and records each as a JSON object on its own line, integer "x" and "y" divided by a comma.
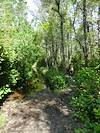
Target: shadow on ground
{"x": 42, "y": 113}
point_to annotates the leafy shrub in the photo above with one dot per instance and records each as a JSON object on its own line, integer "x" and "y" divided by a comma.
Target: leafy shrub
{"x": 28, "y": 50}
{"x": 14, "y": 76}
{"x": 37, "y": 84}
{"x": 89, "y": 128}
{"x": 34, "y": 86}
{"x": 41, "y": 62}
{"x": 86, "y": 101}
{"x": 4, "y": 91}
{"x": 5, "y": 65}
{"x": 55, "y": 79}
{"x": 77, "y": 62}
{"x": 94, "y": 62}
{"x": 88, "y": 80}
{"x": 8, "y": 74}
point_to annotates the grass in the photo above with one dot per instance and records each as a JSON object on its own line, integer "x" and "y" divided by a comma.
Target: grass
{"x": 2, "y": 120}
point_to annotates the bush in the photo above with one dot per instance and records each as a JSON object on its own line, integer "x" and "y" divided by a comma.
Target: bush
{"x": 88, "y": 80}
{"x": 37, "y": 84}
{"x": 55, "y": 79}
{"x": 86, "y": 101}
{"x": 4, "y": 91}
{"x": 5, "y": 65}
{"x": 94, "y": 63}
{"x": 8, "y": 74}
{"x": 89, "y": 128}
{"x": 77, "y": 62}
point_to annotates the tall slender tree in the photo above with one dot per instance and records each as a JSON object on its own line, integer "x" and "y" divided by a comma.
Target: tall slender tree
{"x": 85, "y": 32}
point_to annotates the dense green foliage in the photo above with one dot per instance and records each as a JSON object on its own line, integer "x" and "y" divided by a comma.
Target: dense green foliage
{"x": 63, "y": 42}
{"x": 20, "y": 46}
{"x": 8, "y": 74}
{"x": 4, "y": 91}
{"x": 86, "y": 101}
{"x": 55, "y": 79}
{"x": 27, "y": 51}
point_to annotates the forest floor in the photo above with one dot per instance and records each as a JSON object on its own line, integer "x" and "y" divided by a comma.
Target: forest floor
{"x": 42, "y": 113}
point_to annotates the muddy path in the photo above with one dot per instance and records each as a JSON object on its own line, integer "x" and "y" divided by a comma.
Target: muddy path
{"x": 42, "y": 113}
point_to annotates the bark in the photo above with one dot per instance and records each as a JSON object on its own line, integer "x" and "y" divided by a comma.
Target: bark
{"x": 46, "y": 59}
{"x": 61, "y": 30}
{"x": 99, "y": 30}
{"x": 55, "y": 54}
{"x": 62, "y": 39}
{"x": 53, "y": 51}
{"x": 85, "y": 50}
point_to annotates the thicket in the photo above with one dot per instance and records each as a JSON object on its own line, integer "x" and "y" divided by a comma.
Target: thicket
{"x": 66, "y": 43}
{"x": 55, "y": 79}
{"x": 8, "y": 73}
{"x": 17, "y": 56}
{"x": 86, "y": 101}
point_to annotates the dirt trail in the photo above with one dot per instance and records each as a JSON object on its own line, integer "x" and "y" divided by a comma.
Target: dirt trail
{"x": 42, "y": 113}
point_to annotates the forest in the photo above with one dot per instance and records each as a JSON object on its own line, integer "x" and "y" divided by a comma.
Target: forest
{"x": 49, "y": 63}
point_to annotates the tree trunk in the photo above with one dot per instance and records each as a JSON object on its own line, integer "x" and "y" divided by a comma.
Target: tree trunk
{"x": 46, "y": 59}
{"x": 53, "y": 52}
{"x": 62, "y": 40}
{"x": 99, "y": 30}
{"x": 85, "y": 48}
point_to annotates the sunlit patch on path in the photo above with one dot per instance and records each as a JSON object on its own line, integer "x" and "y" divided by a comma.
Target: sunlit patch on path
{"x": 44, "y": 113}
